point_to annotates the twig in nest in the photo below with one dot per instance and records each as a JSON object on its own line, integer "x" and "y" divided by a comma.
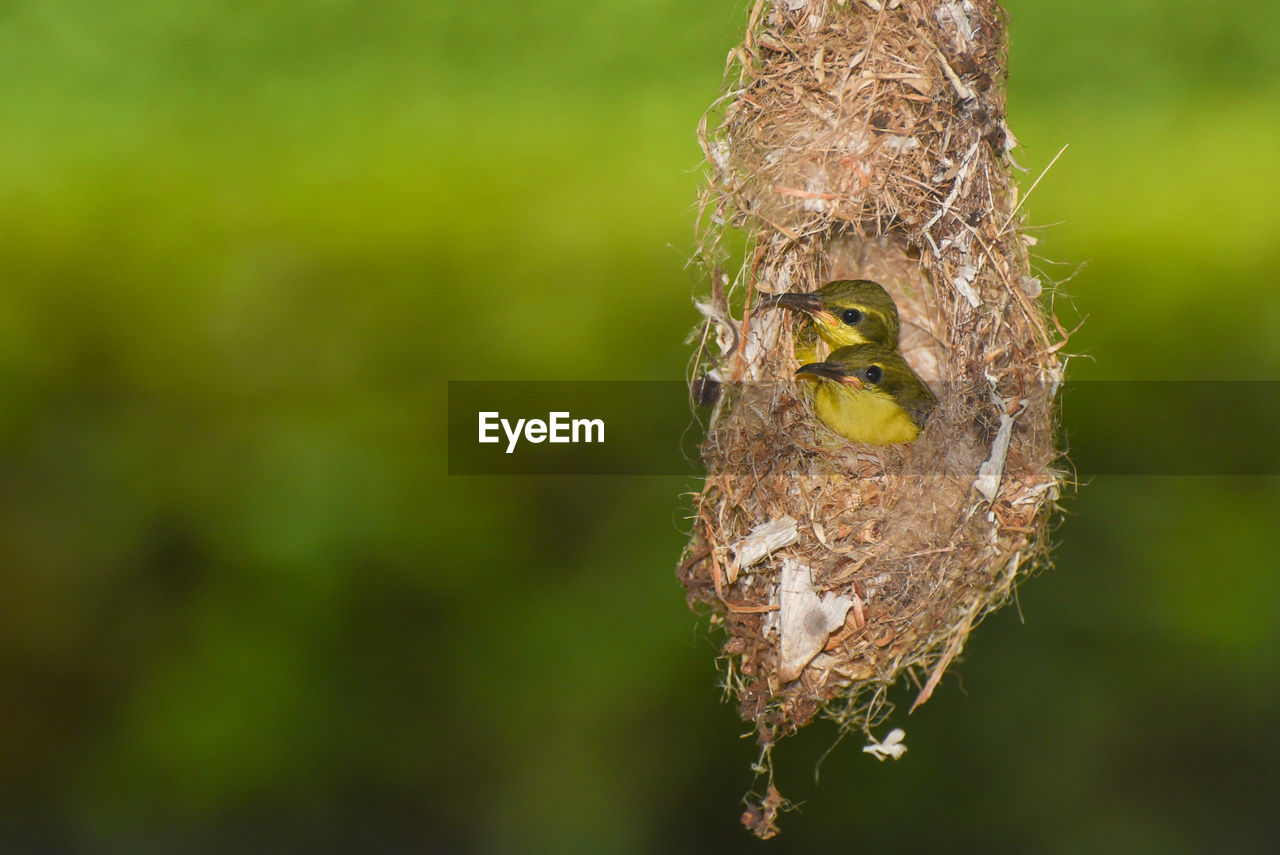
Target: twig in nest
{"x": 689, "y": 563}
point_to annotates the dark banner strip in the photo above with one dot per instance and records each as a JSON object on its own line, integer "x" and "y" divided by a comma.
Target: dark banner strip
{"x": 652, "y": 428}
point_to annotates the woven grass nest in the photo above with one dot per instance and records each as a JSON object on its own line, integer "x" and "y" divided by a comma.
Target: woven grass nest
{"x": 866, "y": 140}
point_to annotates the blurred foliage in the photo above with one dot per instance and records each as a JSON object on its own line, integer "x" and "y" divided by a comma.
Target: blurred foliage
{"x": 244, "y": 245}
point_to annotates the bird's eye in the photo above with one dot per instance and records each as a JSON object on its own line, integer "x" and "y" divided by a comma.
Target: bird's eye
{"x": 851, "y": 316}
{"x": 873, "y": 374}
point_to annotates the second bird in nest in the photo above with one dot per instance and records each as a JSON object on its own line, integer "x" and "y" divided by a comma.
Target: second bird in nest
{"x": 868, "y": 393}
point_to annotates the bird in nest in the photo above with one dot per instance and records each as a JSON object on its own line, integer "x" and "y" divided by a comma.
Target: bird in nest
{"x": 868, "y": 393}
{"x": 842, "y": 313}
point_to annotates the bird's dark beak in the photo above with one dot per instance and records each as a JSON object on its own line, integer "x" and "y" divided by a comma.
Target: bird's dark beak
{"x": 832, "y": 371}
{"x": 808, "y": 303}
{"x": 796, "y": 300}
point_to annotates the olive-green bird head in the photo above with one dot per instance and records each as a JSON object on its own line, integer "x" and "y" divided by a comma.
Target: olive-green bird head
{"x": 847, "y": 312}
{"x": 868, "y": 393}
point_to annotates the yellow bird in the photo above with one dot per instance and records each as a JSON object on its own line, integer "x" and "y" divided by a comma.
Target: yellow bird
{"x": 843, "y": 312}
{"x": 868, "y": 393}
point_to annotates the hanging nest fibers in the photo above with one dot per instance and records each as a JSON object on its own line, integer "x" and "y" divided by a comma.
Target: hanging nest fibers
{"x": 866, "y": 140}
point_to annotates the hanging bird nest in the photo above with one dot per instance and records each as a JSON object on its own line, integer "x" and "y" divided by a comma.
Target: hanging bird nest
{"x": 866, "y": 140}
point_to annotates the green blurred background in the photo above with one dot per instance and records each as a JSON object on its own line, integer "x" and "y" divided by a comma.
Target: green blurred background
{"x": 244, "y": 245}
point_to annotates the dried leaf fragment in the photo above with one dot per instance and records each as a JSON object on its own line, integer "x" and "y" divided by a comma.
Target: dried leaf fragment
{"x": 892, "y": 746}
{"x": 988, "y": 481}
{"x": 761, "y": 541}
{"x": 806, "y": 619}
